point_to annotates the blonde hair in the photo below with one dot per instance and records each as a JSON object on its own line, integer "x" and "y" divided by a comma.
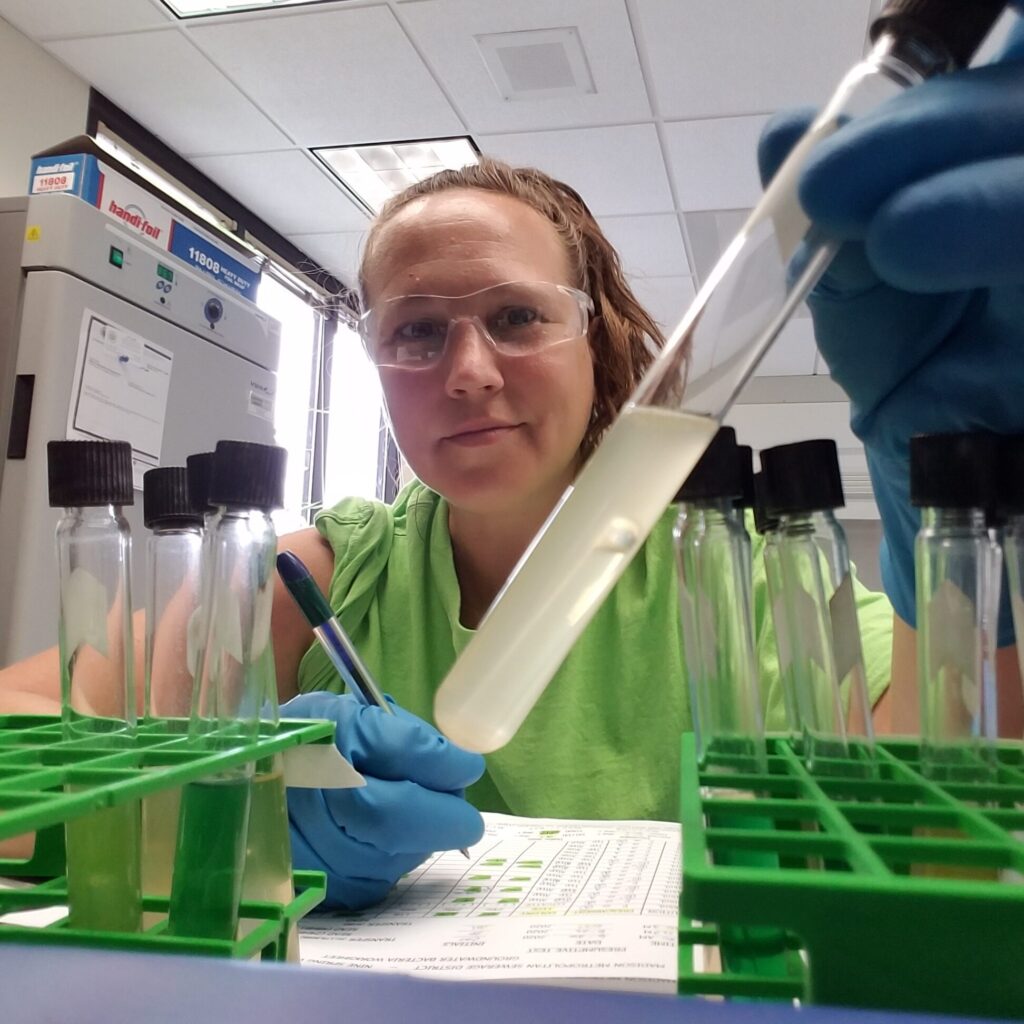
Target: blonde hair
{"x": 620, "y": 351}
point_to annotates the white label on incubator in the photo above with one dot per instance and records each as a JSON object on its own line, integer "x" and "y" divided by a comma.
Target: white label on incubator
{"x": 61, "y": 182}
{"x": 261, "y": 401}
{"x": 119, "y": 392}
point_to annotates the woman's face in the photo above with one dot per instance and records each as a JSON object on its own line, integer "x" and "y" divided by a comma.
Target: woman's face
{"x": 487, "y": 430}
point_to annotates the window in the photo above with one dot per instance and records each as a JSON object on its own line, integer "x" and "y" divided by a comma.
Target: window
{"x": 353, "y": 423}
{"x": 301, "y": 335}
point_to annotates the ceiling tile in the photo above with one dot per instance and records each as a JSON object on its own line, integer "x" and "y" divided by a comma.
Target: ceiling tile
{"x": 665, "y": 298}
{"x": 709, "y": 233}
{"x": 793, "y": 351}
{"x": 616, "y": 170}
{"x": 649, "y": 246}
{"x": 714, "y": 162}
{"x": 288, "y": 190}
{"x": 336, "y": 251}
{"x": 59, "y": 19}
{"x": 332, "y": 78}
{"x": 712, "y": 58}
{"x": 171, "y": 88}
{"x": 446, "y": 33}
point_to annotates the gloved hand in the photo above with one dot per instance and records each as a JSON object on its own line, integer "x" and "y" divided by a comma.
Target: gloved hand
{"x": 921, "y": 315}
{"x": 411, "y": 806}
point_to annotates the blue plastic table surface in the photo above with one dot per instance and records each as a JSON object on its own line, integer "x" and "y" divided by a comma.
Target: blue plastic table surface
{"x": 47, "y": 985}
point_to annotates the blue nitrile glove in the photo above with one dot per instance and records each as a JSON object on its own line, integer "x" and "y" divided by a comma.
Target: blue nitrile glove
{"x": 921, "y": 315}
{"x": 411, "y": 806}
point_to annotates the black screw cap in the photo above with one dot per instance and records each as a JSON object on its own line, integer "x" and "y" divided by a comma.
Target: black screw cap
{"x": 802, "y": 477}
{"x": 89, "y": 473}
{"x": 200, "y": 470}
{"x": 718, "y": 474}
{"x": 953, "y": 470}
{"x": 165, "y": 499}
{"x": 1010, "y": 484}
{"x": 765, "y": 518}
{"x": 248, "y": 475}
{"x": 956, "y": 26}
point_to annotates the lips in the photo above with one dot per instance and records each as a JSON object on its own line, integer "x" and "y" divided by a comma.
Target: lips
{"x": 480, "y": 432}
{"x": 480, "y": 427}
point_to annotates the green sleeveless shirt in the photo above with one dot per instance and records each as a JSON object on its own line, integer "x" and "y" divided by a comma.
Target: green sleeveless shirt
{"x": 603, "y": 741}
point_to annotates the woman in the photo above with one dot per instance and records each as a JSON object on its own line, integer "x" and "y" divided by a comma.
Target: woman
{"x": 457, "y": 271}
{"x": 921, "y": 320}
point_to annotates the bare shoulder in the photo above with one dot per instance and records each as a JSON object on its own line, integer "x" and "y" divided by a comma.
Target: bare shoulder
{"x": 316, "y": 554}
{"x": 292, "y": 634}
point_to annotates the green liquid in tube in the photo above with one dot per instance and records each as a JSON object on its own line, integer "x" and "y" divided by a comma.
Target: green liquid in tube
{"x": 268, "y": 854}
{"x": 104, "y": 888}
{"x": 210, "y": 858}
{"x": 160, "y": 813}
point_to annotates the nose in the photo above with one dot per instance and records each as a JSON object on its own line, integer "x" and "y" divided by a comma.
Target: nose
{"x": 471, "y": 361}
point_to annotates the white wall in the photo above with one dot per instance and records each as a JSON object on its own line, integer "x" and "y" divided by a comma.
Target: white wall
{"x": 41, "y": 103}
{"x": 864, "y": 536}
{"x": 763, "y": 424}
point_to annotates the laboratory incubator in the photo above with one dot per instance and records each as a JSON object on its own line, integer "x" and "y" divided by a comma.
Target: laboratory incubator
{"x": 105, "y": 334}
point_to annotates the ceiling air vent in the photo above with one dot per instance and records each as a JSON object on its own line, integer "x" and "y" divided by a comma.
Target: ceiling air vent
{"x": 538, "y": 64}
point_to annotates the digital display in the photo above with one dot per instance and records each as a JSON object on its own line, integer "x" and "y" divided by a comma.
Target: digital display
{"x": 165, "y": 272}
{"x": 116, "y": 256}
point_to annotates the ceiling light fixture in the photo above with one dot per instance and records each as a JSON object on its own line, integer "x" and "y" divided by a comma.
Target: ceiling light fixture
{"x": 205, "y": 8}
{"x": 375, "y": 173}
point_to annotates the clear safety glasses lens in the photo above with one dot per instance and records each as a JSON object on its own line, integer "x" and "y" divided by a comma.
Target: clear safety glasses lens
{"x": 518, "y": 318}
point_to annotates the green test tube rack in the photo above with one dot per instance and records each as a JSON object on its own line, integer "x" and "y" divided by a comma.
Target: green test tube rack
{"x": 890, "y": 891}
{"x": 47, "y": 780}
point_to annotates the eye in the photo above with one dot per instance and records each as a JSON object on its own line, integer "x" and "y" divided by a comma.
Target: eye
{"x": 516, "y": 316}
{"x": 418, "y": 330}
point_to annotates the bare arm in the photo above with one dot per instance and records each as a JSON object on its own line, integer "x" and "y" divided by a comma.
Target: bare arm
{"x": 903, "y": 709}
{"x": 292, "y": 634}
{"x": 32, "y": 686}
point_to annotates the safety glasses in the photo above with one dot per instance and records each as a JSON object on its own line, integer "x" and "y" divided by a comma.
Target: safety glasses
{"x": 518, "y": 318}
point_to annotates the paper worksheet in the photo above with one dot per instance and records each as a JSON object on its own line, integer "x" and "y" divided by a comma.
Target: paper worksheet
{"x": 539, "y": 900}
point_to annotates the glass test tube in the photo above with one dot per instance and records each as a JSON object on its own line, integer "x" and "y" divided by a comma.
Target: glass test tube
{"x": 92, "y": 481}
{"x": 599, "y": 524}
{"x": 172, "y": 647}
{"x": 995, "y": 523}
{"x": 952, "y": 482}
{"x": 802, "y": 484}
{"x": 745, "y": 501}
{"x": 247, "y": 482}
{"x": 1011, "y": 501}
{"x": 199, "y": 469}
{"x": 267, "y": 875}
{"x": 767, "y": 525}
{"x": 712, "y": 557}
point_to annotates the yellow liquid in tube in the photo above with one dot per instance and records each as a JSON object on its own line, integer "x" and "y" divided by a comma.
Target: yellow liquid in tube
{"x": 567, "y": 572}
